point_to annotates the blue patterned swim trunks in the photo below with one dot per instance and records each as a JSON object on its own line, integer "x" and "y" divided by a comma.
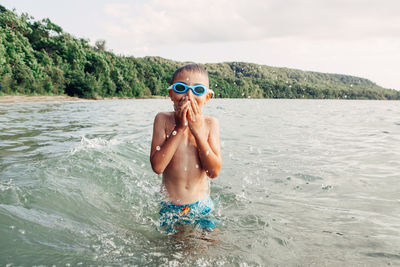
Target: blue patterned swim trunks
{"x": 198, "y": 214}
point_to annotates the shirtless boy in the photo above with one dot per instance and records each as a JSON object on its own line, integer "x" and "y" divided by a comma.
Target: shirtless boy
{"x": 185, "y": 149}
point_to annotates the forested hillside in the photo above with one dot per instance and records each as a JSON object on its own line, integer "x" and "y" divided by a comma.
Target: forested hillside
{"x": 39, "y": 58}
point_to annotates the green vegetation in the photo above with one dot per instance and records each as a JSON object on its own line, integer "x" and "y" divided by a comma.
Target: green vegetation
{"x": 39, "y": 58}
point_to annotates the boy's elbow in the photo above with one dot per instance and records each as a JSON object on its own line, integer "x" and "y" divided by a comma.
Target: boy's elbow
{"x": 158, "y": 172}
{"x": 214, "y": 172}
{"x": 213, "y": 175}
{"x": 156, "y": 168}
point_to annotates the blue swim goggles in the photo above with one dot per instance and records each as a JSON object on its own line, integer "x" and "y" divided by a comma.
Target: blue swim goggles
{"x": 180, "y": 88}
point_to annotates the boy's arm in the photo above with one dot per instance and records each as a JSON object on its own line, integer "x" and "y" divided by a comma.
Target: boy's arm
{"x": 209, "y": 150}
{"x": 207, "y": 140}
{"x": 163, "y": 149}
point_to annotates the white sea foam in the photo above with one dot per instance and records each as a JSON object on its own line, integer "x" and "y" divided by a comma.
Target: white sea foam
{"x": 94, "y": 143}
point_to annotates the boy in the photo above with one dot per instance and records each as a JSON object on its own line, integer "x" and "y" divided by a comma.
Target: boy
{"x": 186, "y": 149}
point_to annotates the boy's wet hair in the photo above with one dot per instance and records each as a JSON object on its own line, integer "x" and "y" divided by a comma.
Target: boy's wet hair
{"x": 189, "y": 67}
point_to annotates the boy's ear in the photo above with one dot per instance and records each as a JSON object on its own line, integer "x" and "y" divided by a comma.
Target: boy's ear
{"x": 210, "y": 94}
{"x": 170, "y": 93}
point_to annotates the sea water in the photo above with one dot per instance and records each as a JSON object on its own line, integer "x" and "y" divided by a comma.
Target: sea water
{"x": 303, "y": 183}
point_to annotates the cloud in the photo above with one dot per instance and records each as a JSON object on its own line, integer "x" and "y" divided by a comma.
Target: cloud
{"x": 202, "y": 21}
{"x": 117, "y": 10}
{"x": 356, "y": 37}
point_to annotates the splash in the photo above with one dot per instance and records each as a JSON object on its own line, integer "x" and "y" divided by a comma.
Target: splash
{"x": 95, "y": 143}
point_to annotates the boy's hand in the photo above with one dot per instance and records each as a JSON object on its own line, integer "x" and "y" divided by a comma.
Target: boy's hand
{"x": 196, "y": 119}
{"x": 181, "y": 113}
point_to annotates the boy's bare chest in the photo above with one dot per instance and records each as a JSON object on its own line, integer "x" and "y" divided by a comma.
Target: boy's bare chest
{"x": 188, "y": 142}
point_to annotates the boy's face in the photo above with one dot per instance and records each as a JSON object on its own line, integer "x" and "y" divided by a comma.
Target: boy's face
{"x": 190, "y": 78}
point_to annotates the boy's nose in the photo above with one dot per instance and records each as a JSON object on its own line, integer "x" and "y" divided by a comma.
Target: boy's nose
{"x": 189, "y": 92}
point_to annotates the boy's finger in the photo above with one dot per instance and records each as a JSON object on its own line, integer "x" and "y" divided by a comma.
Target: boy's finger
{"x": 182, "y": 101}
{"x": 183, "y": 105}
{"x": 188, "y": 116}
{"x": 195, "y": 107}
{"x": 184, "y": 114}
{"x": 191, "y": 114}
{"x": 187, "y": 104}
{"x": 182, "y": 111}
{"x": 185, "y": 109}
{"x": 191, "y": 101}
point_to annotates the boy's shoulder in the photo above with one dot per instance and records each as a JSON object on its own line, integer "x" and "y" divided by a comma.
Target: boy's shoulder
{"x": 165, "y": 114}
{"x": 164, "y": 117}
{"x": 211, "y": 121}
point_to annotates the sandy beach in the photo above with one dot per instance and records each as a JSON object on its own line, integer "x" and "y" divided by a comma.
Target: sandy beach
{"x": 18, "y": 99}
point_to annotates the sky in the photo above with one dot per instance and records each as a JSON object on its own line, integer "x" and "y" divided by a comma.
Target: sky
{"x": 354, "y": 37}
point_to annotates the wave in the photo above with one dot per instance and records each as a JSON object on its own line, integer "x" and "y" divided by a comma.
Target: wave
{"x": 94, "y": 143}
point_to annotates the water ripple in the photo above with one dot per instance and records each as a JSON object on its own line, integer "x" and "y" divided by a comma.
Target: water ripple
{"x": 303, "y": 182}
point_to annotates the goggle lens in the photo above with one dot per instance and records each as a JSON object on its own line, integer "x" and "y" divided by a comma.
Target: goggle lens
{"x": 180, "y": 88}
{"x": 199, "y": 90}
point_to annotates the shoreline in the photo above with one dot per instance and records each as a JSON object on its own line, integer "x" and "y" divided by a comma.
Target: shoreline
{"x": 10, "y": 99}
{"x": 25, "y": 99}
{"x": 20, "y": 98}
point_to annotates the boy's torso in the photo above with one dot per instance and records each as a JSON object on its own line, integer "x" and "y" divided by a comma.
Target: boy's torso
{"x": 184, "y": 178}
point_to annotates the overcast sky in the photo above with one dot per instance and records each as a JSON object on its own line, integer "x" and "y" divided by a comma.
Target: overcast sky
{"x": 355, "y": 37}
